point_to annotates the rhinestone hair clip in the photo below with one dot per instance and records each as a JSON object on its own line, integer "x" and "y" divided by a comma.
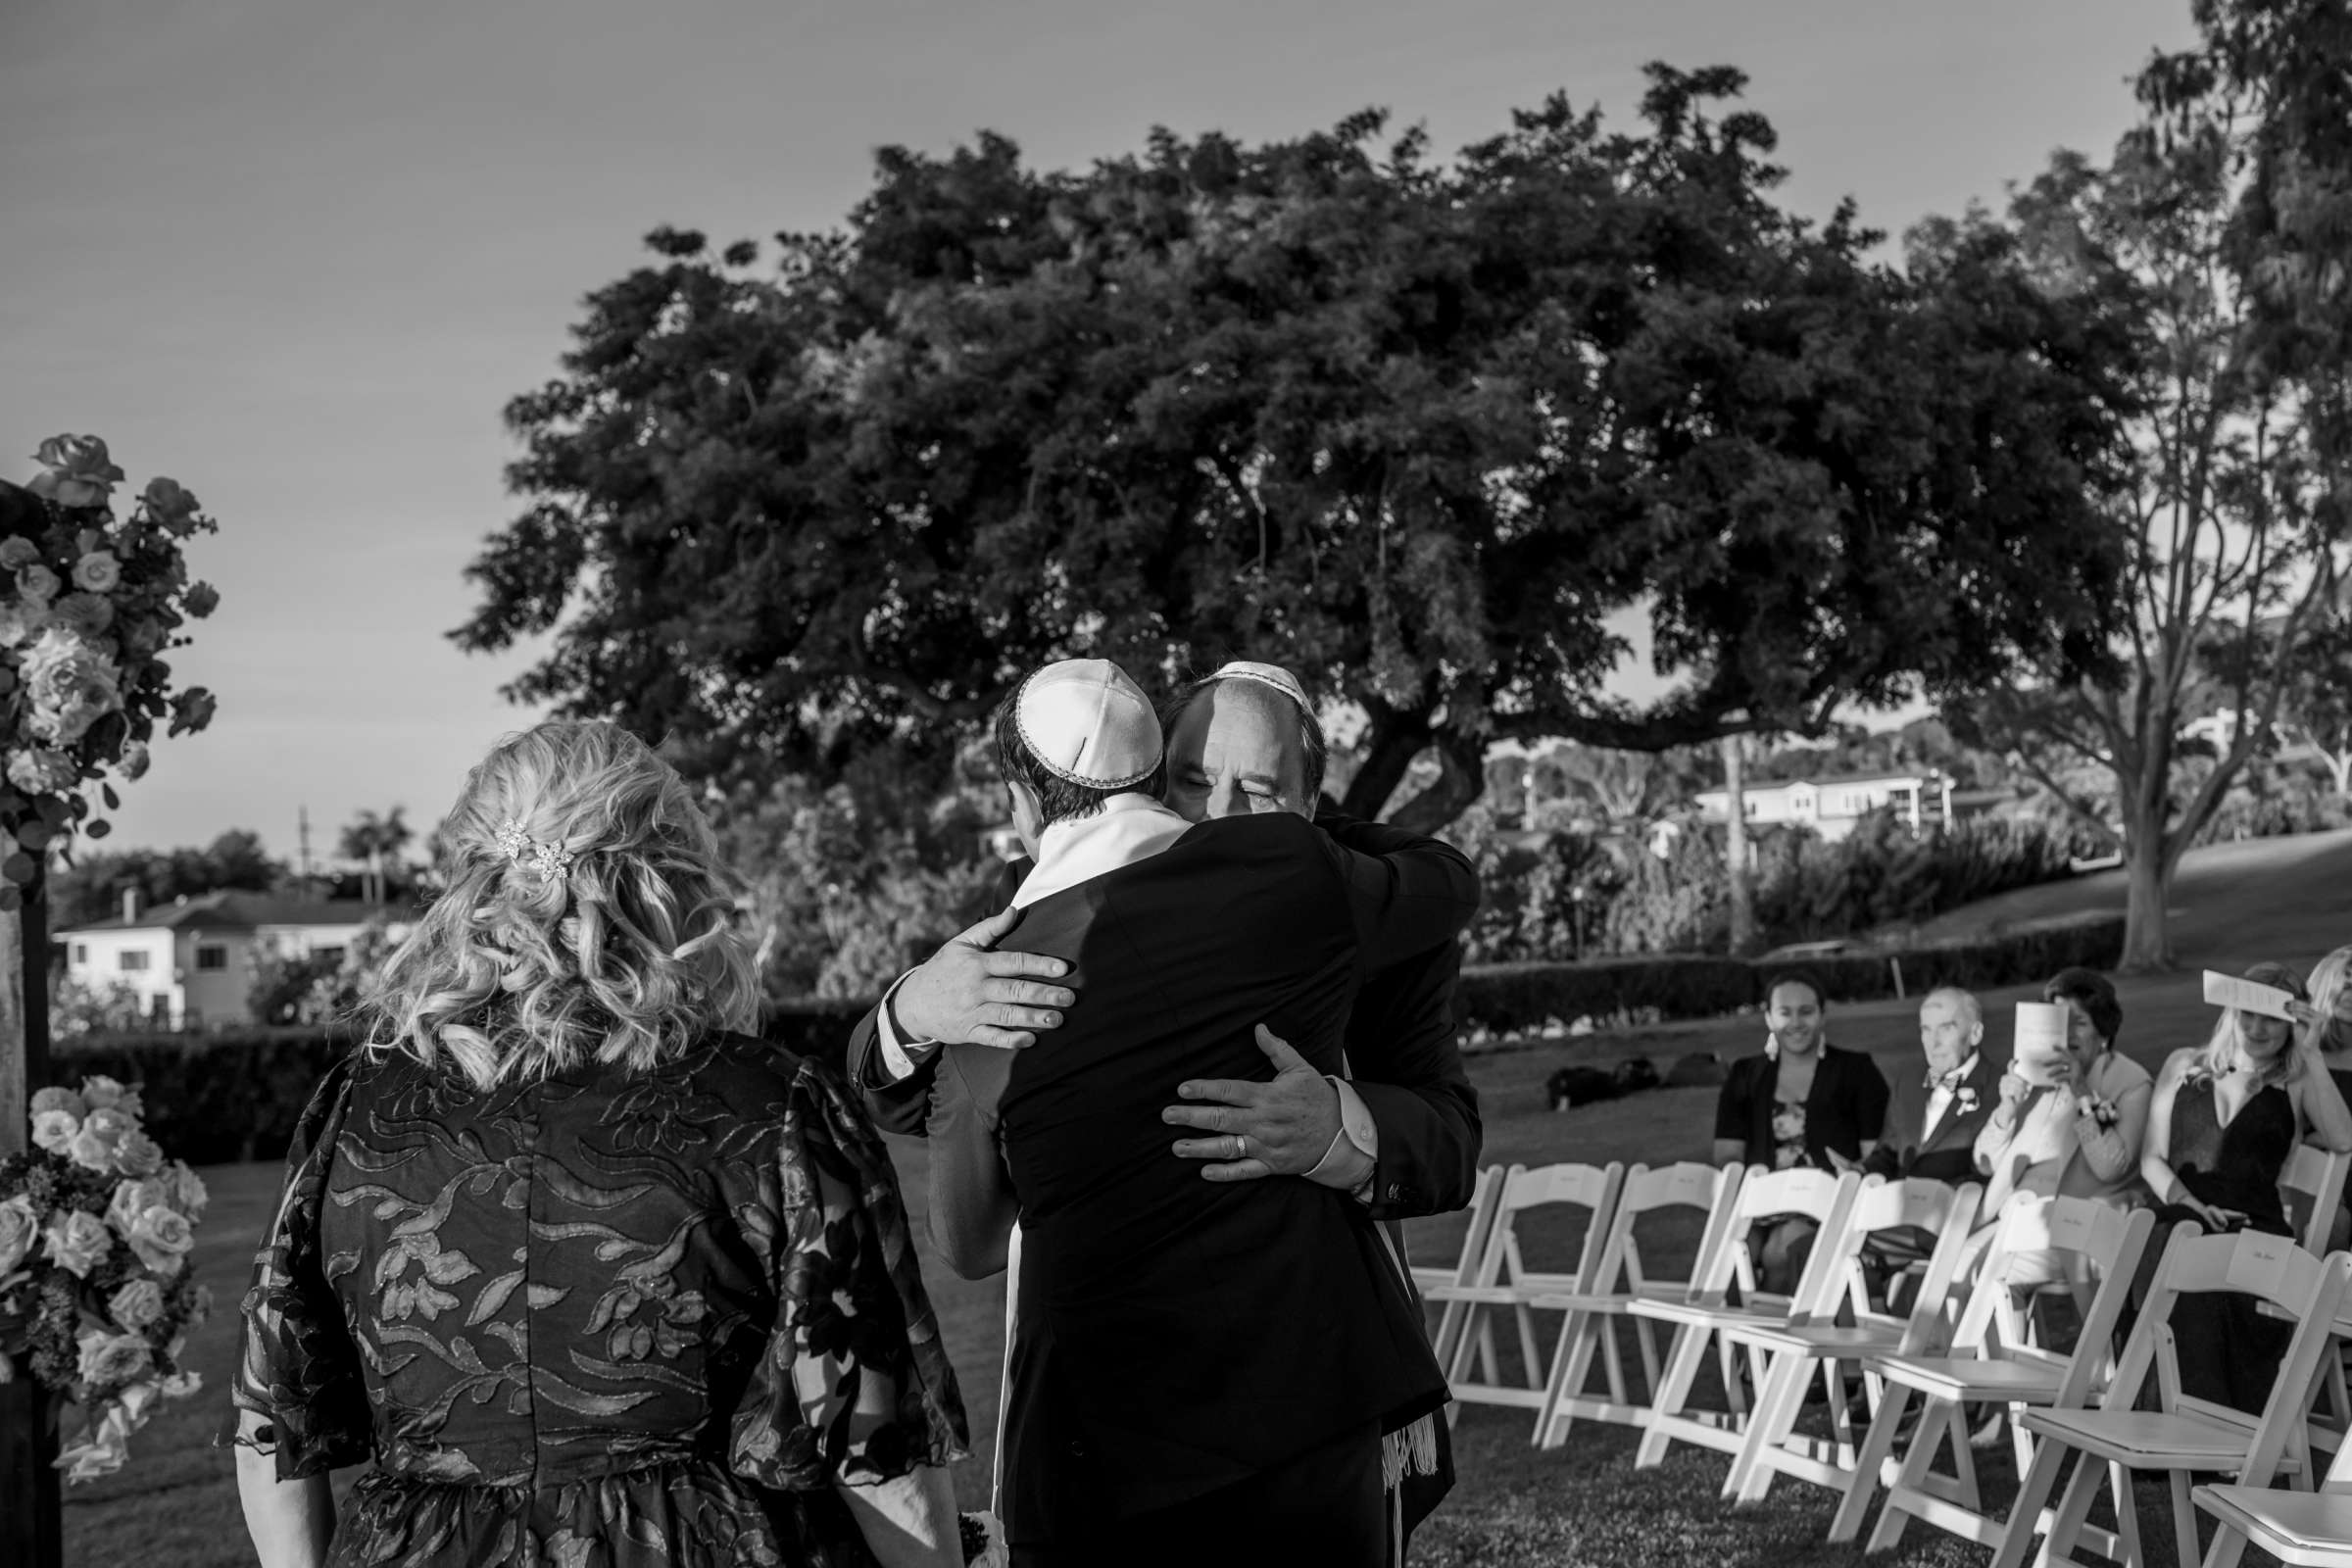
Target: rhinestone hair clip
{"x": 547, "y": 859}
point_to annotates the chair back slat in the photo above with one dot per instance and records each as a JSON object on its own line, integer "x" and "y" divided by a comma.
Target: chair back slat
{"x": 2313, "y": 1186}
{"x": 1574, "y": 1186}
{"x": 1582, "y": 1184}
{"x": 1825, "y": 1197}
{"x": 2081, "y": 1241}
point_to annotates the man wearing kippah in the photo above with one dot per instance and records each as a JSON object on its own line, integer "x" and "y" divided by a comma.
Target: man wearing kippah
{"x": 1201, "y": 1370}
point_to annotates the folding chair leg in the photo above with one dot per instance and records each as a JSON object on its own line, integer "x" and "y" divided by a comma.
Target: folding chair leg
{"x": 2074, "y": 1508}
{"x": 1911, "y": 1478}
{"x": 1646, "y": 1339}
{"x": 1530, "y": 1359}
{"x": 1877, "y": 1447}
{"x": 2185, "y": 1516}
{"x": 1779, "y": 1395}
{"x": 2025, "y": 1515}
{"x": 2127, "y": 1514}
{"x": 1964, "y": 1463}
{"x": 1689, "y": 1347}
{"x": 1571, "y": 1363}
{"x": 2229, "y": 1545}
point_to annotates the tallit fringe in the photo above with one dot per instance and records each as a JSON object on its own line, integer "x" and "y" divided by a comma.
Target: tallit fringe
{"x": 1412, "y": 1451}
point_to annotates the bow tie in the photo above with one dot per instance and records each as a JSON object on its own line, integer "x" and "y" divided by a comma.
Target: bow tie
{"x": 1950, "y": 1081}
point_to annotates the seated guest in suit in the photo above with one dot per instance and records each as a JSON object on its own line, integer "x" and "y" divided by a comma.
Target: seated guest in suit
{"x": 1934, "y": 1115}
{"x": 1140, "y": 1427}
{"x": 1803, "y": 1101}
{"x": 2224, "y": 1119}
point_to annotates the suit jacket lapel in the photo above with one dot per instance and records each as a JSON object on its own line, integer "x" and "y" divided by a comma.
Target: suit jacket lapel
{"x": 1952, "y": 1116}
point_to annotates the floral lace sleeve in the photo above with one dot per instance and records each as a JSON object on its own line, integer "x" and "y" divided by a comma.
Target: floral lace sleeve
{"x": 297, "y": 1367}
{"x": 853, "y": 1384}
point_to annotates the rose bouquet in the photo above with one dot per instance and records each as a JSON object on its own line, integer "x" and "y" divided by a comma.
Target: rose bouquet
{"x": 88, "y": 608}
{"x": 95, "y": 1294}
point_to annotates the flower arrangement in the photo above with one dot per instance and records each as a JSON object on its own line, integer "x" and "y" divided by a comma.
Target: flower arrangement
{"x": 88, "y": 608}
{"x": 2100, "y": 1109}
{"x": 95, "y": 1294}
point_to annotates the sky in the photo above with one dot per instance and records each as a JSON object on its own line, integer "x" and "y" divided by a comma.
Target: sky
{"x": 298, "y": 256}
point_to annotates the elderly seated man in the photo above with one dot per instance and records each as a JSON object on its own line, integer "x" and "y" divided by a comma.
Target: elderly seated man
{"x": 1934, "y": 1117}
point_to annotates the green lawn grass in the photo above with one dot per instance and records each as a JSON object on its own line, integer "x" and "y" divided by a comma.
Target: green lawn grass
{"x": 1514, "y": 1507}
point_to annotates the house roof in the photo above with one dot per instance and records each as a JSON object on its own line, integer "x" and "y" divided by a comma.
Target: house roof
{"x": 239, "y": 909}
{"x": 1925, "y": 775}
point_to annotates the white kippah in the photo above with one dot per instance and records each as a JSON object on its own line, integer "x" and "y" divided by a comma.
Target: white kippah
{"x": 1274, "y": 676}
{"x": 1087, "y": 722}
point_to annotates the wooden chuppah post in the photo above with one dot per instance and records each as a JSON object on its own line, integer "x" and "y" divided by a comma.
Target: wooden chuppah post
{"x": 32, "y": 1534}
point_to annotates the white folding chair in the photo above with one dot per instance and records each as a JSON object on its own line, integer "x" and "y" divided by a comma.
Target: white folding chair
{"x": 1619, "y": 1281}
{"x": 1701, "y": 1317}
{"x": 2313, "y": 1188}
{"x": 1994, "y": 1358}
{"x": 2184, "y": 1434}
{"x": 1429, "y": 1279}
{"x": 2308, "y": 1529}
{"x": 1817, "y": 1340}
{"x": 1505, "y": 1281}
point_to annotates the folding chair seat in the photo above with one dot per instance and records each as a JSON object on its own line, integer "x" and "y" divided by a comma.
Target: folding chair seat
{"x": 1506, "y": 1282}
{"x": 1429, "y": 1279}
{"x": 2311, "y": 1529}
{"x": 1994, "y": 1357}
{"x": 1701, "y": 1317}
{"x": 1619, "y": 1281}
{"x": 2184, "y": 1434}
{"x": 1816, "y": 1339}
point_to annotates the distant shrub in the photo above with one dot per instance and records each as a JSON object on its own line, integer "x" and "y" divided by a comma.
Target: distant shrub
{"x": 1515, "y": 997}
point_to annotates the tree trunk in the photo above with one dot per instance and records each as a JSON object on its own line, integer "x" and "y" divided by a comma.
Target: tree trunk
{"x": 1396, "y": 738}
{"x": 1461, "y": 780}
{"x": 2147, "y": 941}
{"x": 1735, "y": 849}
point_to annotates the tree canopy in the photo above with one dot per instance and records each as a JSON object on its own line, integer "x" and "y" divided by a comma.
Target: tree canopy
{"x": 1418, "y": 428}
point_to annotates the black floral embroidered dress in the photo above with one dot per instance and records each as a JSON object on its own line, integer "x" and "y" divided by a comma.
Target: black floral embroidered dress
{"x": 589, "y": 1321}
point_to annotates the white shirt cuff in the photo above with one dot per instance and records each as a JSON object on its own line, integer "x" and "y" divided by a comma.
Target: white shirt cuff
{"x": 1358, "y": 1131}
{"x": 899, "y": 1057}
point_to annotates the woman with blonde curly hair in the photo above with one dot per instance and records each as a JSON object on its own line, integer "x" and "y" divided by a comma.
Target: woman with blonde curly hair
{"x": 583, "y": 1270}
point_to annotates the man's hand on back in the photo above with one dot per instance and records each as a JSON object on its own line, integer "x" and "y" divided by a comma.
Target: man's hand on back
{"x": 969, "y": 992}
{"x": 1282, "y": 1128}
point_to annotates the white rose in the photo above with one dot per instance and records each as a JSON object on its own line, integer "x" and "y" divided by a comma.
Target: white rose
{"x": 19, "y": 1228}
{"x": 188, "y": 1191}
{"x": 111, "y": 1357}
{"x": 21, "y": 623}
{"x": 109, "y": 1093}
{"x": 69, "y": 685}
{"x": 78, "y": 1242}
{"x": 136, "y": 1306}
{"x": 133, "y": 1198}
{"x": 161, "y": 1239}
{"x": 138, "y": 1155}
{"x": 97, "y": 573}
{"x": 54, "y": 1130}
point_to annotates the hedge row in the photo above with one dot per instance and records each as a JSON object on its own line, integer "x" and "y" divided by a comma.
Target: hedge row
{"x": 237, "y": 1093}
{"x": 1509, "y": 996}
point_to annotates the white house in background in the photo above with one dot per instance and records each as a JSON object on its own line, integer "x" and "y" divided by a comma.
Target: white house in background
{"x": 191, "y": 961}
{"x": 1831, "y": 807}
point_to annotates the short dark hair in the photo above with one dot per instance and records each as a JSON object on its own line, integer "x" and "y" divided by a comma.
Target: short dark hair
{"x": 2094, "y": 994}
{"x": 1314, "y": 752}
{"x": 1057, "y": 798}
{"x": 1795, "y": 977}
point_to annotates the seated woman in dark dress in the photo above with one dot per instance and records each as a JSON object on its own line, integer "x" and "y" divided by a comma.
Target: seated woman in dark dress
{"x": 2224, "y": 1118}
{"x": 1802, "y": 1102}
{"x": 583, "y": 1273}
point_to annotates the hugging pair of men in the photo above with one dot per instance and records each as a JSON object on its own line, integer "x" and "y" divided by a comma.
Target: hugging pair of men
{"x": 1216, "y": 1352}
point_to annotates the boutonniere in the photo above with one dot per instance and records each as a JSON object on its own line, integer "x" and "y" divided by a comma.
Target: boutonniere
{"x": 1965, "y": 1097}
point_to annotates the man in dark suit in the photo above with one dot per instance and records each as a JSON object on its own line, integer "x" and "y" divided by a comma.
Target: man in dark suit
{"x": 1934, "y": 1115}
{"x": 1201, "y": 1371}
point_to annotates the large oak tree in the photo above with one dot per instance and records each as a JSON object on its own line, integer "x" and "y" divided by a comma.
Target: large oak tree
{"x": 1419, "y": 428}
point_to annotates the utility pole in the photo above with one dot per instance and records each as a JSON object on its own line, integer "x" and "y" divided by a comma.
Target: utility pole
{"x": 302, "y": 816}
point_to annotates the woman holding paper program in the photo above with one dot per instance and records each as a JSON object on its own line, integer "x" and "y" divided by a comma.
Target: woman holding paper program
{"x": 2073, "y": 1111}
{"x": 2226, "y": 1117}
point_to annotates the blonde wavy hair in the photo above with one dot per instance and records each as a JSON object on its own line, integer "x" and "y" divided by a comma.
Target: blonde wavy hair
{"x": 2226, "y": 1047}
{"x": 2329, "y": 978}
{"x": 528, "y": 965}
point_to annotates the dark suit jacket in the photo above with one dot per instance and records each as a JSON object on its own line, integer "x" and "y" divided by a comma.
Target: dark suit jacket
{"x": 1403, "y": 1050}
{"x": 1178, "y": 1335}
{"x": 1948, "y": 1151}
